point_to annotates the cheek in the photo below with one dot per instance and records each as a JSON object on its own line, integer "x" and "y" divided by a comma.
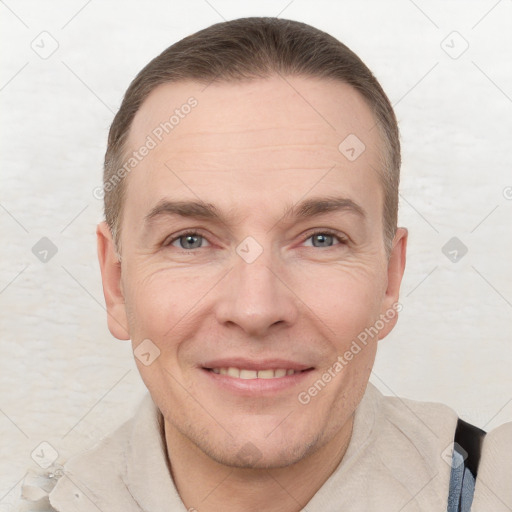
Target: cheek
{"x": 346, "y": 298}
{"x": 157, "y": 310}
{"x": 343, "y": 297}
{"x": 158, "y": 302}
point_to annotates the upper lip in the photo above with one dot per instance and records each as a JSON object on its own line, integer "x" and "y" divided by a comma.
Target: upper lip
{"x": 252, "y": 364}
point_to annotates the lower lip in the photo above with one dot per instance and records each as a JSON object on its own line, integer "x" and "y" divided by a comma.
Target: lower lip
{"x": 257, "y": 386}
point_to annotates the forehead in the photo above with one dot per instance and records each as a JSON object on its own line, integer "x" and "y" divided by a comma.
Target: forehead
{"x": 251, "y": 138}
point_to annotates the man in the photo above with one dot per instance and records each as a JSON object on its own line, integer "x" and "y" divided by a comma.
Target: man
{"x": 251, "y": 253}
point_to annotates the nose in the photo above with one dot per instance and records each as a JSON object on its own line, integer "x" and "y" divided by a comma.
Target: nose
{"x": 256, "y": 298}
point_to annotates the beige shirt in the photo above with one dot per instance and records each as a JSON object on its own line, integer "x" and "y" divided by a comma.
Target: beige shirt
{"x": 398, "y": 459}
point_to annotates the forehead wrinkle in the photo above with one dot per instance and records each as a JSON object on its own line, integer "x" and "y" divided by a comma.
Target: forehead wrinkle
{"x": 267, "y": 142}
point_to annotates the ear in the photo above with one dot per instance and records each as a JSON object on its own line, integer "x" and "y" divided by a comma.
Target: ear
{"x": 395, "y": 270}
{"x": 110, "y": 266}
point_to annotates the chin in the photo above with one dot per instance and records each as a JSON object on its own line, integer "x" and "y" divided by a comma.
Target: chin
{"x": 262, "y": 453}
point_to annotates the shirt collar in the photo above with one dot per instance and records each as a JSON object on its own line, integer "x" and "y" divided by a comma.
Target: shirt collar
{"x": 393, "y": 462}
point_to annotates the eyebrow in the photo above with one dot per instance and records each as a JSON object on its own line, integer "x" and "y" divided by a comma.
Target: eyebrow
{"x": 308, "y": 208}
{"x": 195, "y": 209}
{"x": 320, "y": 205}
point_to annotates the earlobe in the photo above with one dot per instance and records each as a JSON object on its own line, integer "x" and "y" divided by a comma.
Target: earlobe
{"x": 110, "y": 267}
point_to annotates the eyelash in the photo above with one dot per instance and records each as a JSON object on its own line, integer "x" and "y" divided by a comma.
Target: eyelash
{"x": 343, "y": 240}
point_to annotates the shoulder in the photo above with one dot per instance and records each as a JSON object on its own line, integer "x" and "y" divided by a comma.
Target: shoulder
{"x": 493, "y": 489}
{"x": 424, "y": 431}
{"x": 98, "y": 468}
{"x": 397, "y": 445}
{"x": 417, "y": 420}
{"x": 99, "y": 461}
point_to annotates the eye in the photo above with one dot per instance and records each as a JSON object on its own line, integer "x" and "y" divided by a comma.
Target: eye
{"x": 189, "y": 241}
{"x": 325, "y": 239}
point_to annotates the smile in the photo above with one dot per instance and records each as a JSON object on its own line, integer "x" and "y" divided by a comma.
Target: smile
{"x": 253, "y": 378}
{"x": 241, "y": 373}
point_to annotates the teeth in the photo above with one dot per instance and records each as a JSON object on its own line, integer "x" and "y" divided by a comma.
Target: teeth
{"x": 241, "y": 373}
{"x": 233, "y": 372}
{"x": 248, "y": 374}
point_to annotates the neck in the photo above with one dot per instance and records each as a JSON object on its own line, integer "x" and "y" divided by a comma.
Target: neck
{"x": 206, "y": 485}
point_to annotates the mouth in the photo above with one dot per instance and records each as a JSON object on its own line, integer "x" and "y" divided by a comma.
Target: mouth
{"x": 255, "y": 378}
{"x": 246, "y": 374}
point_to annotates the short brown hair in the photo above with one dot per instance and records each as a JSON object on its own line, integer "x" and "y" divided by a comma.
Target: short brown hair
{"x": 244, "y": 49}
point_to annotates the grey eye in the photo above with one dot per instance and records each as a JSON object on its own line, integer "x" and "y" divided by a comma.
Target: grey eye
{"x": 189, "y": 241}
{"x": 322, "y": 240}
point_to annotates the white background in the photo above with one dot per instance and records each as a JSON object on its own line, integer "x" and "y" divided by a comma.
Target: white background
{"x": 66, "y": 380}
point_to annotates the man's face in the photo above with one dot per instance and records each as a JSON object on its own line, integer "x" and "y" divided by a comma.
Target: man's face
{"x": 266, "y": 280}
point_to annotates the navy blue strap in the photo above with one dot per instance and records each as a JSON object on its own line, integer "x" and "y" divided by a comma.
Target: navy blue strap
{"x": 467, "y": 449}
